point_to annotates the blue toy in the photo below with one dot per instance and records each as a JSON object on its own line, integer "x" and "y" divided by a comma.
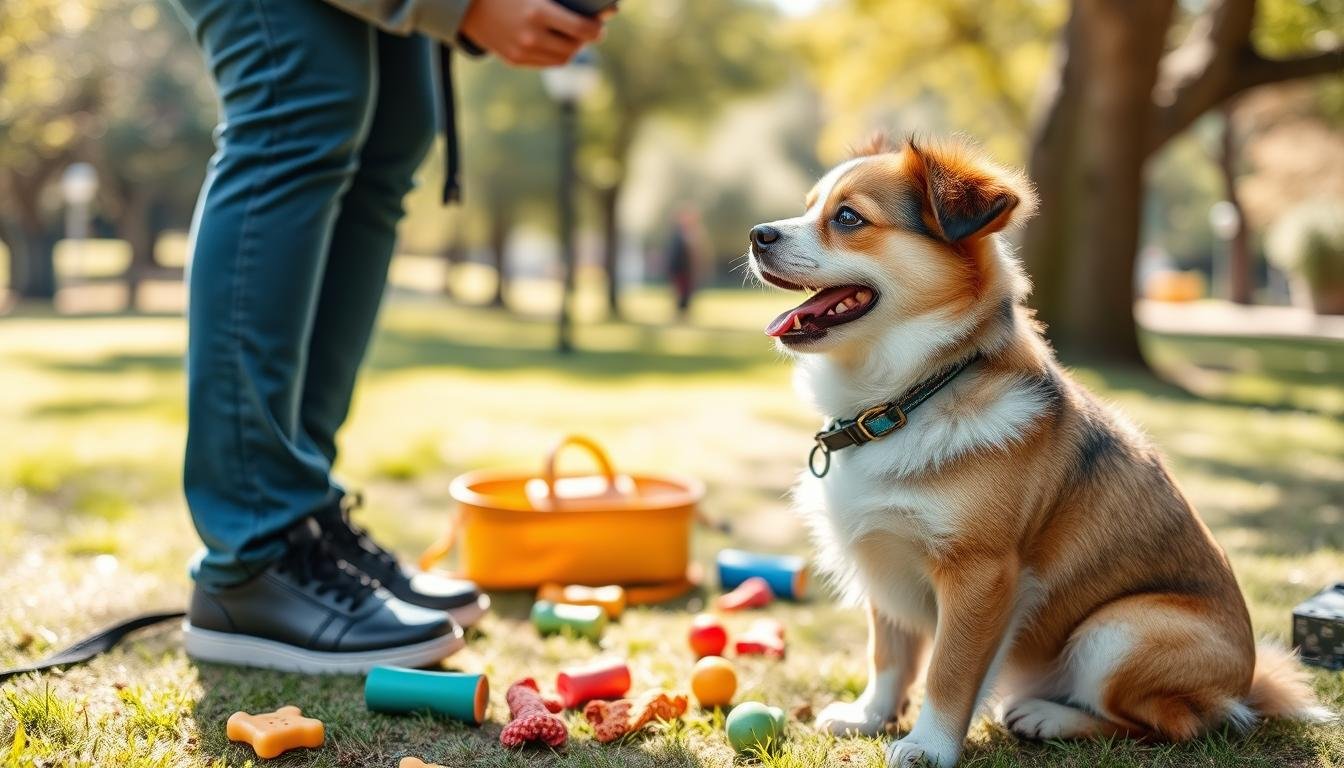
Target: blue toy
{"x": 786, "y": 574}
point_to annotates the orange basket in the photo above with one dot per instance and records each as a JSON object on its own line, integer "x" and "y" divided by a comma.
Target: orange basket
{"x": 519, "y": 531}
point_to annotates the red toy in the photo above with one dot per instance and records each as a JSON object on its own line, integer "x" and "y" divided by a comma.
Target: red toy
{"x": 613, "y": 719}
{"x": 765, "y": 637}
{"x": 708, "y": 637}
{"x": 532, "y": 717}
{"x": 601, "y": 680}
{"x": 755, "y": 592}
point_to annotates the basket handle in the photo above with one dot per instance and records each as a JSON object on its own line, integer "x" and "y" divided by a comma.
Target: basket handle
{"x": 440, "y": 548}
{"x": 593, "y": 449}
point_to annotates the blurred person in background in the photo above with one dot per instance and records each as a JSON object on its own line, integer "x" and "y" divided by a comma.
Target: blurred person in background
{"x": 327, "y": 110}
{"x": 684, "y": 254}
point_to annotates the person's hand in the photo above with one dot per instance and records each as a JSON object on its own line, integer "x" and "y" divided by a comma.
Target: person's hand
{"x": 530, "y": 33}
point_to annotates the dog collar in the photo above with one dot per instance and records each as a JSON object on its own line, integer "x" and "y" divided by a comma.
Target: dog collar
{"x": 880, "y": 420}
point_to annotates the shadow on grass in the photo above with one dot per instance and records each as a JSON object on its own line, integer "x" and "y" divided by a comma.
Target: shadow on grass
{"x": 1305, "y": 520}
{"x": 398, "y": 349}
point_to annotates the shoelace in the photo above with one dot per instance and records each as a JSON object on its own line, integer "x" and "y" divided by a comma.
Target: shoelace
{"x": 310, "y": 561}
{"x": 359, "y": 538}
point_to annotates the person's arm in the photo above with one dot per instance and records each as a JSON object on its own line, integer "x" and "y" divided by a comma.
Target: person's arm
{"x": 536, "y": 33}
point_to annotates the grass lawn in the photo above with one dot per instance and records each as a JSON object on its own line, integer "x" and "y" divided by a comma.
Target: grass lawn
{"x": 92, "y": 526}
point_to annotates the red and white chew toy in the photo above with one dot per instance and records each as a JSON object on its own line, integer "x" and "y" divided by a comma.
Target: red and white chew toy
{"x": 532, "y": 717}
{"x": 755, "y": 592}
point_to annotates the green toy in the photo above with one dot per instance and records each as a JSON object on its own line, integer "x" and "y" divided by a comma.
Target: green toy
{"x": 753, "y": 725}
{"x": 458, "y": 695}
{"x": 583, "y": 620}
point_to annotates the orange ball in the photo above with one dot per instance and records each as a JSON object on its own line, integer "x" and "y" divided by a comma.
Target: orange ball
{"x": 713, "y": 681}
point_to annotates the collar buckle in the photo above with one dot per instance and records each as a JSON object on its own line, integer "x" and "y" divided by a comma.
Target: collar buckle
{"x": 890, "y": 411}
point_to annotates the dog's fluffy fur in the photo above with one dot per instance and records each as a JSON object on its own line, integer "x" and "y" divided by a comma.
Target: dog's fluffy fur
{"x": 1018, "y": 534}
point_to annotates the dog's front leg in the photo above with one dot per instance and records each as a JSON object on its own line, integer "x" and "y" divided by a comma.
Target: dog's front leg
{"x": 894, "y": 655}
{"x": 975, "y": 607}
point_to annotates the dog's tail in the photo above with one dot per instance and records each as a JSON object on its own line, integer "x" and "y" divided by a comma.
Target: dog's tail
{"x": 1281, "y": 688}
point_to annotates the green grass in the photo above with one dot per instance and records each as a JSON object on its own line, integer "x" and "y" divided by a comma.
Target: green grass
{"x": 92, "y": 525}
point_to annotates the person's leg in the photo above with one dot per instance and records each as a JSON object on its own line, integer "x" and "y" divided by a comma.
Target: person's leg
{"x": 401, "y": 134}
{"x": 296, "y": 82}
{"x": 352, "y": 289}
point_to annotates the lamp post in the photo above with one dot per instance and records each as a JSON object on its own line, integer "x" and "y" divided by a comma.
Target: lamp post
{"x": 79, "y": 185}
{"x": 567, "y": 85}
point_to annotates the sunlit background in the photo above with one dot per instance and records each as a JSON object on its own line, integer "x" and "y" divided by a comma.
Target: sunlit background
{"x": 1189, "y": 260}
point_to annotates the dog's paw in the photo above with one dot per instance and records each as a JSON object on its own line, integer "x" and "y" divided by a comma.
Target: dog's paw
{"x": 1043, "y": 720}
{"x": 853, "y": 717}
{"x": 906, "y": 753}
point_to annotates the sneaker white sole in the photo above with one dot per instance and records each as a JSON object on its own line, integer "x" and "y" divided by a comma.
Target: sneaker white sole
{"x": 467, "y": 615}
{"x": 248, "y": 651}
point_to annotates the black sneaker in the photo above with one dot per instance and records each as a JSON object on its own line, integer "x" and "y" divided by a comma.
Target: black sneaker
{"x": 459, "y": 597}
{"x": 310, "y": 613}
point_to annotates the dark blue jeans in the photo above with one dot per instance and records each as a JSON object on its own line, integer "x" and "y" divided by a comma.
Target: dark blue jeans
{"x": 324, "y": 121}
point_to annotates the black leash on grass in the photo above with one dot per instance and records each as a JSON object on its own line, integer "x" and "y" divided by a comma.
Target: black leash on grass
{"x": 93, "y": 645}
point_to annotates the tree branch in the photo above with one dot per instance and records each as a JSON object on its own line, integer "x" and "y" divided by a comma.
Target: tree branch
{"x": 1258, "y": 70}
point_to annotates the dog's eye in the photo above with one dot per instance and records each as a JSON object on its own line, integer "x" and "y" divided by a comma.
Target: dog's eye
{"x": 846, "y": 217}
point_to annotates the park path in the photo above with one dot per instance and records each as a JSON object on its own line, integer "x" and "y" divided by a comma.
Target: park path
{"x": 1222, "y": 318}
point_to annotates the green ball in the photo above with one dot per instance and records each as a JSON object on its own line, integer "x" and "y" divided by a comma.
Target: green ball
{"x": 752, "y": 724}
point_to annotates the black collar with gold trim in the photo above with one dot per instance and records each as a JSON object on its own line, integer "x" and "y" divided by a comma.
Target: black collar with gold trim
{"x": 880, "y": 420}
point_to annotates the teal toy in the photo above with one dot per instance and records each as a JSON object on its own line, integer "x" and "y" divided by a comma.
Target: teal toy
{"x": 458, "y": 695}
{"x": 753, "y": 725}
{"x": 583, "y": 620}
{"x": 786, "y": 574}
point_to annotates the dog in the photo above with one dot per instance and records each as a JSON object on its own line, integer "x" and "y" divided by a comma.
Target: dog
{"x": 1009, "y": 528}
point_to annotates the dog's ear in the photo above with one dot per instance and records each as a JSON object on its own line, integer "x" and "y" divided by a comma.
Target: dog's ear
{"x": 965, "y": 196}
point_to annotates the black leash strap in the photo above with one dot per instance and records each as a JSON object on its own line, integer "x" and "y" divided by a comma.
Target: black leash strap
{"x": 452, "y": 170}
{"x": 93, "y": 645}
{"x": 880, "y": 420}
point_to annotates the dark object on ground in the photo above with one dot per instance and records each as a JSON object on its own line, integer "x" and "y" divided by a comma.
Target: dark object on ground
{"x": 1318, "y": 628}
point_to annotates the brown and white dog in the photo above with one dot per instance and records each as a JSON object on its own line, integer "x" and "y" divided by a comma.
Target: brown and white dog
{"x": 1017, "y": 533}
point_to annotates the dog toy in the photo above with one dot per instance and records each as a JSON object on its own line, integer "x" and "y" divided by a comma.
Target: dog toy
{"x": 274, "y": 733}
{"x": 707, "y": 636}
{"x": 755, "y": 592}
{"x": 532, "y": 717}
{"x": 713, "y": 681}
{"x": 586, "y": 621}
{"x": 786, "y": 574}
{"x": 765, "y": 637}
{"x": 415, "y": 762}
{"x": 461, "y": 696}
{"x": 611, "y": 599}
{"x": 753, "y": 726}
{"x": 613, "y": 719}
{"x": 600, "y": 680}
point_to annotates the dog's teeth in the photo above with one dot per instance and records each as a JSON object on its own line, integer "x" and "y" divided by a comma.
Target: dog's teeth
{"x": 862, "y": 296}
{"x": 831, "y": 311}
{"x": 797, "y": 323}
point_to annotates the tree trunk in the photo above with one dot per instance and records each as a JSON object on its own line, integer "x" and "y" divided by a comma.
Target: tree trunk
{"x": 500, "y": 224}
{"x": 137, "y": 228}
{"x": 33, "y": 262}
{"x": 609, "y": 199}
{"x": 1089, "y": 158}
{"x": 1240, "y": 285}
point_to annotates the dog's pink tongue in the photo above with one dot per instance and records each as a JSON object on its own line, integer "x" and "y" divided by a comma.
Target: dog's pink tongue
{"x": 815, "y": 306}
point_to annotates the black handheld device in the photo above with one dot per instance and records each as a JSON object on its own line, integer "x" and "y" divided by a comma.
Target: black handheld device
{"x": 587, "y": 7}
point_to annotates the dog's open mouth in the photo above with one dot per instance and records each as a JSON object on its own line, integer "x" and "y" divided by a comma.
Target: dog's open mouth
{"x": 826, "y": 308}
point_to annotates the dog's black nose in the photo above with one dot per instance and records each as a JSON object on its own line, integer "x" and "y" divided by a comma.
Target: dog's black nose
{"x": 763, "y": 235}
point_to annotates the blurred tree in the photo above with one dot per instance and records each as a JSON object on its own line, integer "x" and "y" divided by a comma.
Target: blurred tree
{"x": 675, "y": 57}
{"x": 974, "y": 64}
{"x": 151, "y": 137}
{"x": 509, "y": 142}
{"x": 1118, "y": 95}
{"x": 43, "y": 113}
